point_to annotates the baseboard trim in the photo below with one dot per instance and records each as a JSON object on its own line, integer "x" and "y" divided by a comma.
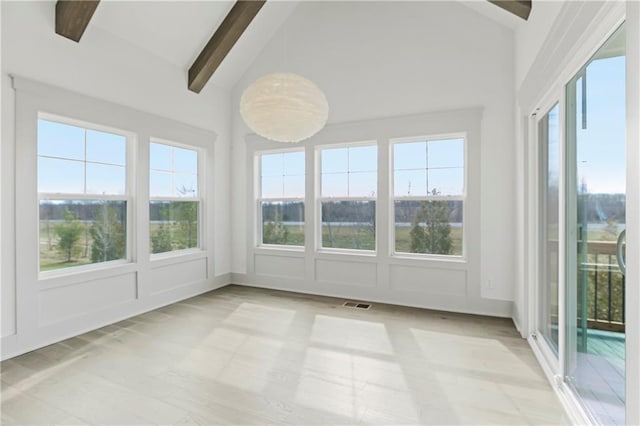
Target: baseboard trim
{"x": 223, "y": 280}
{"x": 487, "y": 307}
{"x": 516, "y": 324}
{"x": 15, "y": 344}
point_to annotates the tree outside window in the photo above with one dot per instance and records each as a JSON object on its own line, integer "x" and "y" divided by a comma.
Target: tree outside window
{"x": 428, "y": 188}
{"x": 174, "y": 198}
{"x": 82, "y": 175}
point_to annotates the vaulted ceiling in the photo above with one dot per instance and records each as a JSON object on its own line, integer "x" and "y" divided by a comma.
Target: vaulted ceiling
{"x": 178, "y": 31}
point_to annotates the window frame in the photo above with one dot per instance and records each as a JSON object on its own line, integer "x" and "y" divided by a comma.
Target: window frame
{"x": 258, "y": 199}
{"x": 127, "y": 197}
{"x": 463, "y": 197}
{"x": 201, "y": 155}
{"x": 318, "y": 199}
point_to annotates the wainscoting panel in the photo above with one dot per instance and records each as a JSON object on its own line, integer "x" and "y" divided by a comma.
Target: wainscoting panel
{"x": 352, "y": 273}
{"x": 168, "y": 277}
{"x": 428, "y": 280}
{"x": 84, "y": 298}
{"x": 279, "y": 266}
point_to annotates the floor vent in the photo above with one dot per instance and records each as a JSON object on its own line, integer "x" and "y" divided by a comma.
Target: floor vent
{"x": 357, "y": 305}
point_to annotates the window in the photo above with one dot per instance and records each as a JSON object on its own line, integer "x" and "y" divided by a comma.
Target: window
{"x": 281, "y": 200}
{"x": 174, "y": 203}
{"x": 349, "y": 183}
{"x": 82, "y": 192}
{"x": 429, "y": 194}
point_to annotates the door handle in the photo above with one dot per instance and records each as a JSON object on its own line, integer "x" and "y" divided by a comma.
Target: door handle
{"x": 619, "y": 252}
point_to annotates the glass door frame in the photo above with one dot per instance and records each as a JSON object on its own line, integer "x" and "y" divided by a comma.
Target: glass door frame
{"x": 555, "y": 91}
{"x": 632, "y": 292}
{"x": 553, "y": 360}
{"x": 576, "y": 239}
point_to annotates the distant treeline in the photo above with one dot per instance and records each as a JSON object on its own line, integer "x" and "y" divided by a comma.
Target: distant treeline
{"x": 84, "y": 210}
{"x": 349, "y": 211}
{"x": 334, "y": 211}
{"x": 598, "y": 208}
{"x": 405, "y": 211}
{"x": 173, "y": 210}
{"x": 352, "y": 211}
{"x": 602, "y": 208}
{"x": 283, "y": 212}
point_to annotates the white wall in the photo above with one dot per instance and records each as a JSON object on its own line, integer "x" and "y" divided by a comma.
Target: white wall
{"x": 106, "y": 68}
{"x": 377, "y": 60}
{"x": 531, "y": 36}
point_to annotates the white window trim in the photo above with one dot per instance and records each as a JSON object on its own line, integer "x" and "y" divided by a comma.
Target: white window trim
{"x": 393, "y": 198}
{"x": 258, "y": 200}
{"x": 552, "y": 358}
{"x": 201, "y": 154}
{"x": 139, "y": 285}
{"x": 319, "y": 199}
{"x": 348, "y": 198}
{"x": 131, "y": 147}
{"x": 62, "y": 196}
{"x": 382, "y": 131}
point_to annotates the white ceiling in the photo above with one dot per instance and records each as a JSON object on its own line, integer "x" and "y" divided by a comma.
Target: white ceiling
{"x": 176, "y": 31}
{"x": 495, "y": 13}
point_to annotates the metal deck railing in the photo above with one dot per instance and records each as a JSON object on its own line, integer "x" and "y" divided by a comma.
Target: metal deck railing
{"x": 605, "y": 286}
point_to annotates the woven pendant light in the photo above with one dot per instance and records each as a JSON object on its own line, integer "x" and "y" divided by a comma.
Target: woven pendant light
{"x": 284, "y": 107}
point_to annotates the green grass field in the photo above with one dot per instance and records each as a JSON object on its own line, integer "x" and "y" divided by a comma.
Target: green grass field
{"x": 349, "y": 237}
{"x": 354, "y": 237}
{"x": 403, "y": 240}
{"x": 360, "y": 237}
{"x": 52, "y": 259}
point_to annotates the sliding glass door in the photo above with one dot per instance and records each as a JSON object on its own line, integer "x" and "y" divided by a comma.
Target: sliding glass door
{"x": 595, "y": 232}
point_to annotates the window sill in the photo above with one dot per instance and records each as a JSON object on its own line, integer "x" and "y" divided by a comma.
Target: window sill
{"x": 428, "y": 258}
{"x": 177, "y": 256}
{"x": 297, "y": 250}
{"x": 332, "y": 253}
{"x": 80, "y": 274}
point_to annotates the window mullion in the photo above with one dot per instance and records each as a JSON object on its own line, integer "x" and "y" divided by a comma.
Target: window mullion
{"x": 96, "y": 197}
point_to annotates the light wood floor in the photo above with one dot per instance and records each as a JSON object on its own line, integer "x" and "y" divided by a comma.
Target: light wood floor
{"x": 249, "y": 356}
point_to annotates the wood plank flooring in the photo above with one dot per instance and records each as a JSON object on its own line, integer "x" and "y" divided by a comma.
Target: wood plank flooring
{"x": 240, "y": 355}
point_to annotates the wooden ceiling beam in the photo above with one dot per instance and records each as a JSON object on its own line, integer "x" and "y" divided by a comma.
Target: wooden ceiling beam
{"x": 222, "y": 41}
{"x": 73, "y": 16}
{"x": 521, "y": 8}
